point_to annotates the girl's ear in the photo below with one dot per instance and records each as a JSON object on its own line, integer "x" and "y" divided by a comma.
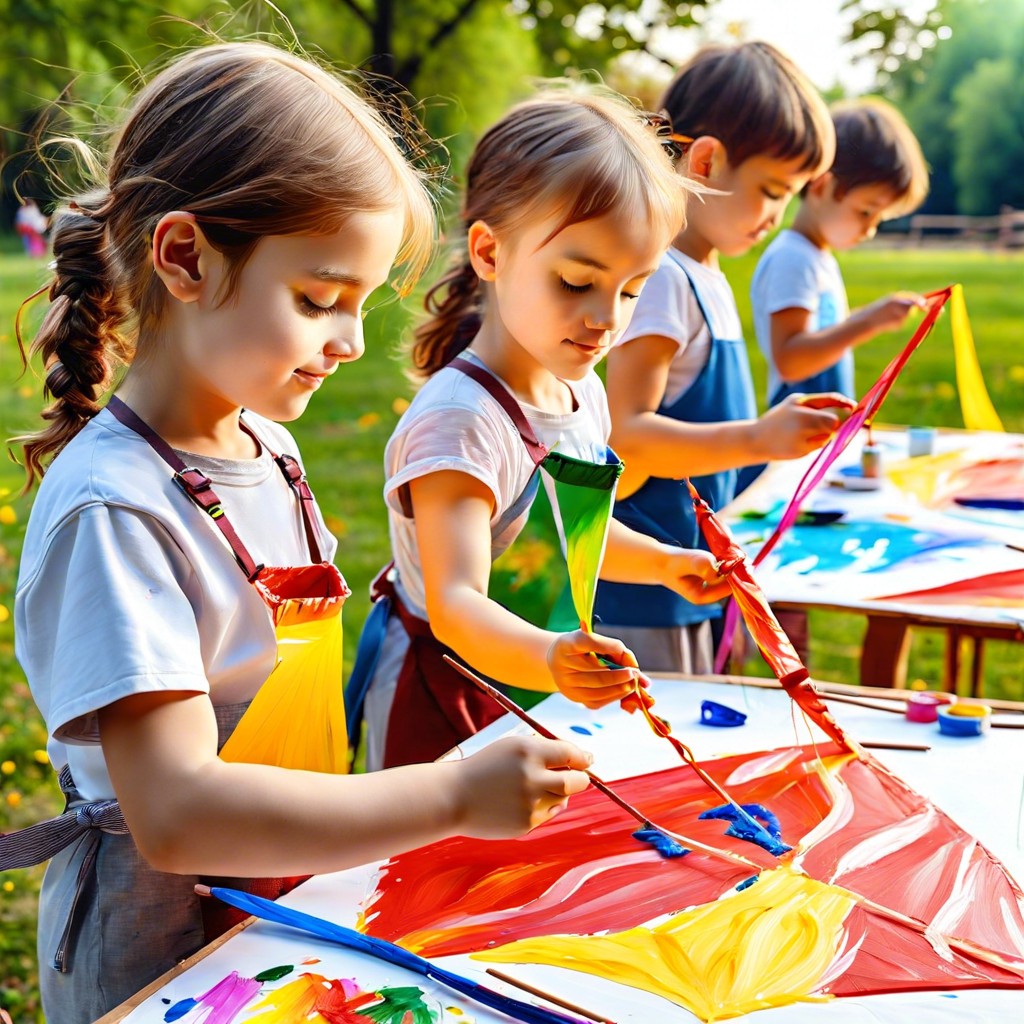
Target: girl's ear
{"x": 179, "y": 246}
{"x": 483, "y": 250}
{"x": 704, "y": 156}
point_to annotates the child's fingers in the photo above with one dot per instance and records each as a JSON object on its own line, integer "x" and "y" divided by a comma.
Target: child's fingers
{"x": 831, "y": 400}
{"x": 563, "y": 754}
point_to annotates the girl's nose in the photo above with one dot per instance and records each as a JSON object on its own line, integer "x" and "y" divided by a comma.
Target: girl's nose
{"x": 602, "y": 319}
{"x": 349, "y": 347}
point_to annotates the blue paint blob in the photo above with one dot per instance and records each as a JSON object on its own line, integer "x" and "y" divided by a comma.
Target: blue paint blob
{"x": 581, "y": 729}
{"x": 756, "y": 825}
{"x": 179, "y": 1009}
{"x": 665, "y": 845}
{"x": 746, "y": 883}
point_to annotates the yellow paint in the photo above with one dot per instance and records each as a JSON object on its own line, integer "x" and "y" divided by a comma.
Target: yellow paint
{"x": 289, "y": 1003}
{"x": 969, "y": 710}
{"x": 769, "y": 945}
{"x": 977, "y": 408}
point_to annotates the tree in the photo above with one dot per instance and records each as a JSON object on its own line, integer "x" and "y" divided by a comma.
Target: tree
{"x": 926, "y": 91}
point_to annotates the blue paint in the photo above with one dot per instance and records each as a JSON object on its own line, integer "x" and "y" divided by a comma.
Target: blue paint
{"x": 179, "y": 1009}
{"x": 752, "y": 823}
{"x": 581, "y": 729}
{"x": 746, "y": 883}
{"x": 665, "y": 845}
{"x": 720, "y": 715}
{"x": 863, "y": 547}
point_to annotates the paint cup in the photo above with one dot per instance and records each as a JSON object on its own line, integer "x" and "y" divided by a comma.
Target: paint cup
{"x": 924, "y": 706}
{"x": 920, "y": 441}
{"x": 871, "y": 462}
{"x": 964, "y": 719}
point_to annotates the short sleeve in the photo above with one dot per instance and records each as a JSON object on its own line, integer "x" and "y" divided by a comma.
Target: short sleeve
{"x": 789, "y": 281}
{"x": 459, "y": 439}
{"x": 105, "y": 614}
{"x": 665, "y": 309}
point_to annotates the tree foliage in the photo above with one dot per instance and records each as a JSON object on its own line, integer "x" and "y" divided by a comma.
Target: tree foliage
{"x": 963, "y": 100}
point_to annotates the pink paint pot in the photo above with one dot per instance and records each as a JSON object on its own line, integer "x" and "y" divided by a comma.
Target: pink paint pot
{"x": 924, "y": 706}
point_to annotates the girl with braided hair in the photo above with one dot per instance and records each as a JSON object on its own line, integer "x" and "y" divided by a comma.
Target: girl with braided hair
{"x": 251, "y": 203}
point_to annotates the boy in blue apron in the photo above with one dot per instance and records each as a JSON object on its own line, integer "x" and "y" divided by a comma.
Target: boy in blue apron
{"x": 803, "y": 323}
{"x": 679, "y": 384}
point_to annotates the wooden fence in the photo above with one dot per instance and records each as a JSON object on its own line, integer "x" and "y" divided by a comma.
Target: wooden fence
{"x": 1004, "y": 230}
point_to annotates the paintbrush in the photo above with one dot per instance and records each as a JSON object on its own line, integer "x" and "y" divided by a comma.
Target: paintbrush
{"x": 513, "y": 708}
{"x": 388, "y": 952}
{"x": 557, "y": 1000}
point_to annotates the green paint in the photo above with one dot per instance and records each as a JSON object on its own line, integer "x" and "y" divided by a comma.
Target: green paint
{"x": 396, "y": 1003}
{"x": 275, "y": 973}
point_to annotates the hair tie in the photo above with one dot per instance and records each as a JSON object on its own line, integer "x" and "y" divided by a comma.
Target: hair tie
{"x": 59, "y": 379}
{"x": 673, "y": 143}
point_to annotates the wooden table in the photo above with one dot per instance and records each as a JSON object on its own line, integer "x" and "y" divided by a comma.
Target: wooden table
{"x": 979, "y": 782}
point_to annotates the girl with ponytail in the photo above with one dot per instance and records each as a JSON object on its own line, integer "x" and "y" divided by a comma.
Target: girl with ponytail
{"x": 251, "y": 203}
{"x": 570, "y": 200}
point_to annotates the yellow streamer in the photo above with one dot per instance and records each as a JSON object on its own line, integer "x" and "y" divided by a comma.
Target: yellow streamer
{"x": 769, "y": 945}
{"x": 978, "y": 411}
{"x": 297, "y": 718}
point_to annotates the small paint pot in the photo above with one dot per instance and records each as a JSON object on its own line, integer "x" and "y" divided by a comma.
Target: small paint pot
{"x": 871, "y": 462}
{"x": 721, "y": 715}
{"x": 964, "y": 719}
{"x": 924, "y": 706}
{"x": 920, "y": 441}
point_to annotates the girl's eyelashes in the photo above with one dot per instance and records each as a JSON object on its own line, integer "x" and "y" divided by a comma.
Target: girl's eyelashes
{"x": 575, "y": 289}
{"x": 313, "y": 309}
{"x": 579, "y": 289}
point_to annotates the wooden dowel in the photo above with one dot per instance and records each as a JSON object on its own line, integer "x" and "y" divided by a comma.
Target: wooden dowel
{"x": 861, "y": 703}
{"x": 557, "y": 1000}
{"x": 886, "y": 745}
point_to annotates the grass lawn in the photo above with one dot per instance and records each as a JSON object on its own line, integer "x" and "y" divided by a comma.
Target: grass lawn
{"x": 342, "y": 439}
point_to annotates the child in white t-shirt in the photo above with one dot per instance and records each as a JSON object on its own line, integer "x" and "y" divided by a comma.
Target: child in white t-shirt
{"x": 570, "y": 201}
{"x": 225, "y": 252}
{"x": 803, "y": 323}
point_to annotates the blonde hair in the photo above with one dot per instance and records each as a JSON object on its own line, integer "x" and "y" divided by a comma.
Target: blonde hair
{"x": 755, "y": 101}
{"x": 875, "y": 146}
{"x": 251, "y": 139}
{"x": 575, "y": 154}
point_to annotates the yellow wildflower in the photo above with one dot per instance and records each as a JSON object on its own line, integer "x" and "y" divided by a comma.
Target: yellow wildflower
{"x": 8, "y": 767}
{"x": 13, "y": 798}
{"x": 399, "y": 405}
{"x": 7, "y": 515}
{"x": 41, "y": 757}
{"x": 8, "y": 886}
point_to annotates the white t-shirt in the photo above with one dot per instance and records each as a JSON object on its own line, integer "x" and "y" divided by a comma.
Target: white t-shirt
{"x": 794, "y": 273}
{"x": 127, "y": 587}
{"x": 668, "y": 308}
{"x": 454, "y": 424}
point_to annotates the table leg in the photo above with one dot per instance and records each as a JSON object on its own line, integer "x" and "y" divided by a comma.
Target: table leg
{"x": 952, "y": 674}
{"x": 883, "y": 658}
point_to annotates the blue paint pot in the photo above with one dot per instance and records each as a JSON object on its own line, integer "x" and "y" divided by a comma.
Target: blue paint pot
{"x": 721, "y": 715}
{"x": 964, "y": 719}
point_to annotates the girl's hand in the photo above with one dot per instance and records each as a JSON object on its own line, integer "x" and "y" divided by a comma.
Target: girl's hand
{"x": 580, "y": 675}
{"x": 518, "y": 783}
{"x": 693, "y": 574}
{"x": 801, "y": 424}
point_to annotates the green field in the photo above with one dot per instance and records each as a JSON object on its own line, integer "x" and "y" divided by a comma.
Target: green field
{"x": 342, "y": 438}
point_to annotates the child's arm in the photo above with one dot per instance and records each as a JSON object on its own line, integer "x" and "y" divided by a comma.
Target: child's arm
{"x": 192, "y": 813}
{"x": 631, "y": 557}
{"x": 452, "y": 513}
{"x": 800, "y": 353}
{"x": 653, "y": 445}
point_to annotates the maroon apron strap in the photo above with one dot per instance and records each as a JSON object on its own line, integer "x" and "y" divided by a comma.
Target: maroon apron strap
{"x": 195, "y": 484}
{"x": 505, "y": 399}
{"x": 293, "y": 473}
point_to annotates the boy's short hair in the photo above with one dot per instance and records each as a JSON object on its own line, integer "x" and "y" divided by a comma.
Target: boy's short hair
{"x": 755, "y": 101}
{"x": 875, "y": 146}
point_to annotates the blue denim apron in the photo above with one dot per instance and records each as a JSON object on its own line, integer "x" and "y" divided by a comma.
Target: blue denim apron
{"x": 662, "y": 509}
{"x": 837, "y": 377}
